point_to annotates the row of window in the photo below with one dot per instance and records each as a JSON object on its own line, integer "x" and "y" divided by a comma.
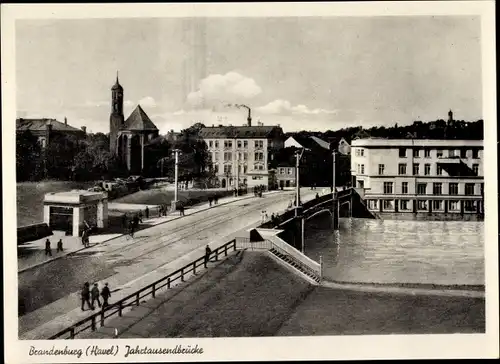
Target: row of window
{"x": 288, "y": 170}
{"x": 437, "y": 188}
{"x": 239, "y": 143}
{"x": 452, "y": 153}
{"x": 228, "y": 156}
{"x": 423, "y": 205}
{"x": 402, "y": 170}
{"x": 228, "y": 168}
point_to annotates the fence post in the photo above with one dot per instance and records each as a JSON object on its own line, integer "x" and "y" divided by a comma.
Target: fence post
{"x": 102, "y": 317}
{"x": 93, "y": 323}
{"x": 137, "y": 299}
{"x": 320, "y": 268}
{"x": 182, "y": 274}
{"x": 120, "y": 308}
{"x": 153, "y": 292}
{"x": 72, "y": 332}
{"x": 168, "y": 282}
{"x": 194, "y": 267}
{"x": 234, "y": 244}
{"x": 225, "y": 250}
{"x": 217, "y": 255}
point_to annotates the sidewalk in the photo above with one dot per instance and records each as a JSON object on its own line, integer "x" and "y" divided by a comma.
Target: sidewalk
{"x": 32, "y": 254}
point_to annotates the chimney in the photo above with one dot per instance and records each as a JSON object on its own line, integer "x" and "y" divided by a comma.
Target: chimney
{"x": 84, "y": 129}
{"x": 65, "y": 121}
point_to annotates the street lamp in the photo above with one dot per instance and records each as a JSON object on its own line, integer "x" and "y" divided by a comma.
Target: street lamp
{"x": 334, "y": 196}
{"x": 176, "y": 179}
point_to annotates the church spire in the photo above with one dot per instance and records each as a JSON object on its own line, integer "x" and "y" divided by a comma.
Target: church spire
{"x": 117, "y": 83}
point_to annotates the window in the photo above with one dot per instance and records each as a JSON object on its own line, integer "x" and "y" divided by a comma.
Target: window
{"x": 454, "y": 206}
{"x": 388, "y": 188}
{"x": 228, "y": 144}
{"x": 403, "y": 204}
{"x": 421, "y": 188}
{"x": 227, "y": 169}
{"x": 259, "y": 156}
{"x": 362, "y": 169}
{"x": 215, "y": 156}
{"x": 239, "y": 143}
{"x": 421, "y": 205}
{"x": 289, "y": 170}
{"x": 469, "y": 189}
{"x": 453, "y": 189}
{"x": 259, "y": 144}
{"x": 228, "y": 156}
{"x": 216, "y": 144}
{"x": 357, "y": 152}
{"x": 470, "y": 206}
{"x": 437, "y": 188}
{"x": 381, "y": 169}
{"x": 216, "y": 168}
{"x": 437, "y": 204}
{"x": 463, "y": 153}
{"x": 439, "y": 153}
{"x": 451, "y": 153}
{"x": 402, "y": 168}
{"x": 475, "y": 153}
{"x": 388, "y": 205}
{"x": 402, "y": 152}
{"x": 372, "y": 204}
{"x": 282, "y": 170}
{"x": 404, "y": 187}
{"x": 245, "y": 156}
{"x": 482, "y": 189}
{"x": 475, "y": 169}
{"x": 416, "y": 153}
{"x": 361, "y": 152}
{"x": 427, "y": 169}
{"x": 245, "y": 144}
{"x": 211, "y": 143}
{"x": 43, "y": 142}
{"x": 439, "y": 170}
{"x": 415, "y": 169}
{"x": 245, "y": 168}
{"x": 427, "y": 153}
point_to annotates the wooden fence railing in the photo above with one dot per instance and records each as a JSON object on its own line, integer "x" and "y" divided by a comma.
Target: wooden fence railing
{"x": 134, "y": 299}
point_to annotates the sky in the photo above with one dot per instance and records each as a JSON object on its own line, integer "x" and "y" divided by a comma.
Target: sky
{"x": 303, "y": 73}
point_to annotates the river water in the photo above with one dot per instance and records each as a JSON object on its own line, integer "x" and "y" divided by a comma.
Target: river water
{"x": 391, "y": 251}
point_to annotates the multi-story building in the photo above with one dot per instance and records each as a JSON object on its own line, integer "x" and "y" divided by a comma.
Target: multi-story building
{"x": 44, "y": 129}
{"x": 242, "y": 153}
{"x": 437, "y": 177}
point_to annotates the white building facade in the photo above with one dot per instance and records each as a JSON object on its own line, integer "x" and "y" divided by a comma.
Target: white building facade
{"x": 420, "y": 175}
{"x": 242, "y": 153}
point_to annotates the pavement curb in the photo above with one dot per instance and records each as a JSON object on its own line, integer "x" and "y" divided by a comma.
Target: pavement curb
{"x": 121, "y": 235}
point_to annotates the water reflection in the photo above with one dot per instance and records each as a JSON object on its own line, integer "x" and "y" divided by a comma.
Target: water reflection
{"x": 391, "y": 251}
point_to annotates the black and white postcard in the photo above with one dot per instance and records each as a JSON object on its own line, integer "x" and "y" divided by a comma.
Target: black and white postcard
{"x": 249, "y": 181}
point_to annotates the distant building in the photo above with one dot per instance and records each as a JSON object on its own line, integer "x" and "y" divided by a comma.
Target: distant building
{"x": 128, "y": 137}
{"x": 172, "y": 136}
{"x": 44, "y": 129}
{"x": 420, "y": 176}
{"x": 242, "y": 152}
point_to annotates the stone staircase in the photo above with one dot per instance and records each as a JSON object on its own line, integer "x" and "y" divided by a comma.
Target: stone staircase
{"x": 295, "y": 264}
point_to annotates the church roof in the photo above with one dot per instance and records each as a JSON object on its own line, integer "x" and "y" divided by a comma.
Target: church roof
{"x": 139, "y": 120}
{"x": 41, "y": 124}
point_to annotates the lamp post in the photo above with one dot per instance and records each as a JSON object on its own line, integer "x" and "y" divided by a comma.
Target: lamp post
{"x": 237, "y": 153}
{"x": 334, "y": 196}
{"x": 298, "y": 156}
{"x": 176, "y": 179}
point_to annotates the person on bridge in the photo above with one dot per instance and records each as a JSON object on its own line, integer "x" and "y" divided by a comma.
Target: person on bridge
{"x": 59, "y": 246}
{"x": 317, "y": 195}
{"x": 85, "y": 295}
{"x": 181, "y": 210}
{"x": 95, "y": 295}
{"x": 48, "y": 249}
{"x": 146, "y": 212}
{"x": 210, "y": 201}
{"x": 106, "y": 294}
{"x": 208, "y": 251}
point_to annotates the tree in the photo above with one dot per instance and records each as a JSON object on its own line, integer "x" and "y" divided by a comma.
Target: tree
{"x": 29, "y": 158}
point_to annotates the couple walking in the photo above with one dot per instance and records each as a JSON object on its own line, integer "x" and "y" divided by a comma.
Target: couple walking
{"x": 87, "y": 293}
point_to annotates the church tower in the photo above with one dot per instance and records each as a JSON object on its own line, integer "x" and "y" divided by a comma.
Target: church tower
{"x": 116, "y": 119}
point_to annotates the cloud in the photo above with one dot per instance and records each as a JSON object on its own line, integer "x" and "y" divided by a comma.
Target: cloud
{"x": 229, "y": 88}
{"x": 97, "y": 103}
{"x": 147, "y": 101}
{"x": 285, "y": 107}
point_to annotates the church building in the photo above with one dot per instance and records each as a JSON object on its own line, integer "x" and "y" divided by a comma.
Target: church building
{"x": 128, "y": 137}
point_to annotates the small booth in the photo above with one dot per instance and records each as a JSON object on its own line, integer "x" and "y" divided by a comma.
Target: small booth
{"x": 74, "y": 210}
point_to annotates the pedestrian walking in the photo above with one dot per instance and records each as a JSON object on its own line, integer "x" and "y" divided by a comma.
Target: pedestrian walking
{"x": 208, "y": 251}
{"x": 181, "y": 210}
{"x": 48, "y": 249}
{"x": 95, "y": 295}
{"x": 317, "y": 195}
{"x": 210, "y": 201}
{"x": 85, "y": 296}
{"x": 266, "y": 217}
{"x": 105, "y": 294}
{"x": 124, "y": 221}
{"x": 146, "y": 212}
{"x": 59, "y": 246}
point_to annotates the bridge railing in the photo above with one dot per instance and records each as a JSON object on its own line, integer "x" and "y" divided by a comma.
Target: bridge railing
{"x": 134, "y": 299}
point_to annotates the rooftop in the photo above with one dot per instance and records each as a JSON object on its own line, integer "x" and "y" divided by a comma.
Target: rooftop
{"x": 41, "y": 124}
{"x": 139, "y": 120}
{"x": 394, "y": 143}
{"x": 231, "y": 132}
